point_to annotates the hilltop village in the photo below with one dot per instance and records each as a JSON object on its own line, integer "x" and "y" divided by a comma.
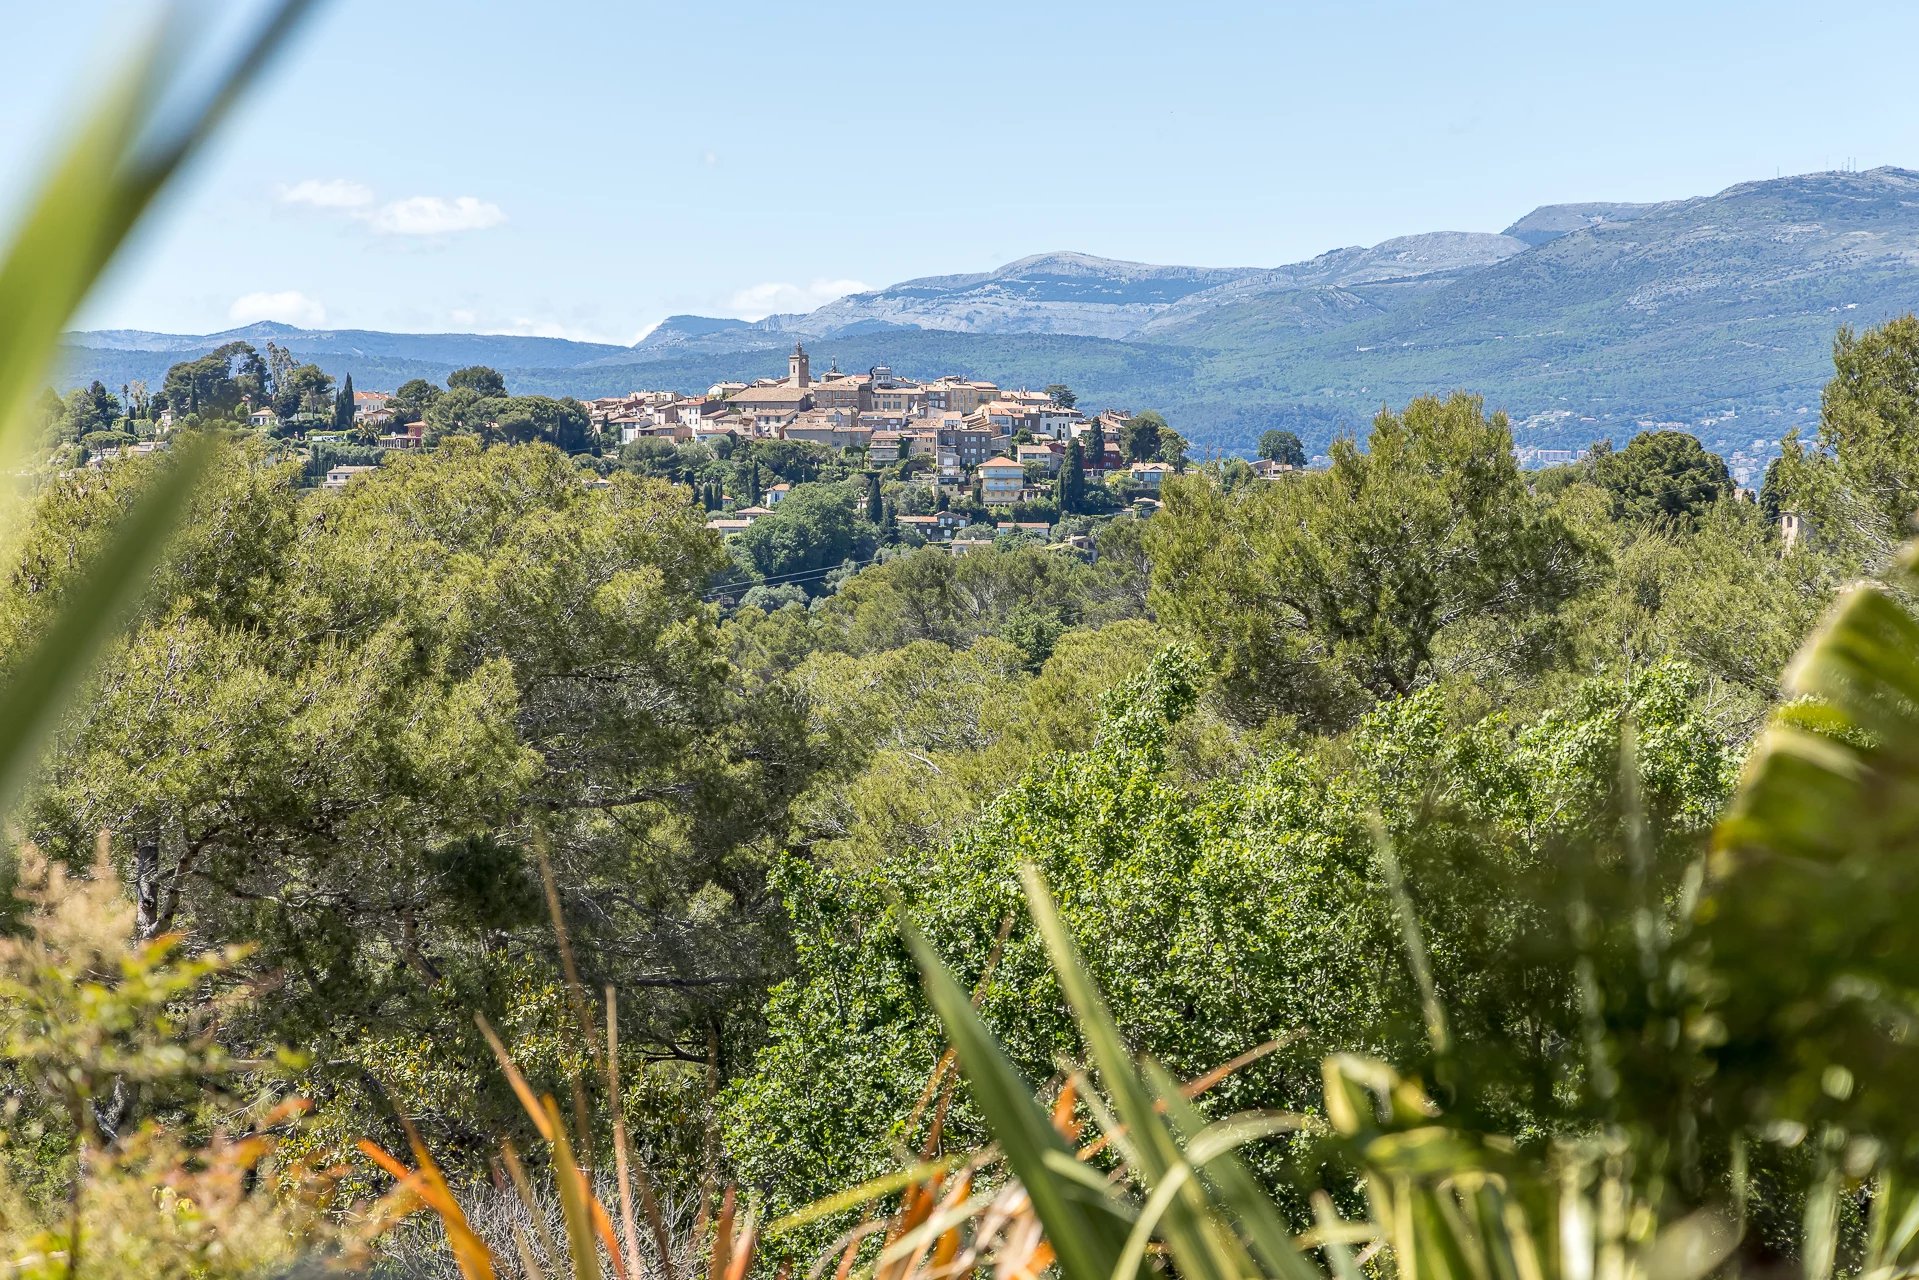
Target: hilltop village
{"x": 852, "y": 464}
{"x": 1010, "y": 451}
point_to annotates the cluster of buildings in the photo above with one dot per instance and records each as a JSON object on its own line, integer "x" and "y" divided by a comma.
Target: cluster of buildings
{"x": 962, "y": 426}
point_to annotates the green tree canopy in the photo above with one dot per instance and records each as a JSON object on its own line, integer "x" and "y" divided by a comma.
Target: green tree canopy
{"x": 215, "y": 384}
{"x": 1423, "y": 552}
{"x": 1139, "y": 439}
{"x": 563, "y": 424}
{"x": 412, "y": 400}
{"x": 1282, "y": 447}
{"x": 1860, "y": 486}
{"x": 478, "y": 379}
{"x": 347, "y": 718}
{"x": 813, "y": 530}
{"x": 462, "y": 412}
{"x": 1255, "y": 910}
{"x": 1663, "y": 477}
{"x": 306, "y": 389}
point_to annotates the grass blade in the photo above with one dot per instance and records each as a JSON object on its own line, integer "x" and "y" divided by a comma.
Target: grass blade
{"x": 1203, "y": 1248}
{"x": 1086, "y": 1228}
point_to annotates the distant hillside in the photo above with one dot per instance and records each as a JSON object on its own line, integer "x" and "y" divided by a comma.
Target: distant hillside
{"x": 454, "y": 349}
{"x": 1048, "y": 293}
{"x": 1549, "y": 222}
{"x": 1583, "y": 320}
{"x": 1334, "y": 289}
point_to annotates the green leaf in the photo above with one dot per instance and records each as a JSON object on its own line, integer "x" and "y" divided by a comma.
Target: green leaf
{"x": 1086, "y": 1227}
{"x": 40, "y": 686}
{"x": 1213, "y": 1149}
{"x": 1202, "y": 1246}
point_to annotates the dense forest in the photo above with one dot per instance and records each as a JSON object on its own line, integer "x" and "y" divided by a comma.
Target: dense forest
{"x": 362, "y": 749}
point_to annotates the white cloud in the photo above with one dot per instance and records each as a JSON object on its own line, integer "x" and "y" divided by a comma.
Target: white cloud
{"x": 461, "y": 316}
{"x": 288, "y": 307}
{"x": 411, "y": 216}
{"x": 761, "y": 300}
{"x": 328, "y": 193}
{"x": 529, "y": 328}
{"x": 435, "y": 215}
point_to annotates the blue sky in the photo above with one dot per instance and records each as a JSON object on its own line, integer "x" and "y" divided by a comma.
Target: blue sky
{"x": 584, "y": 168}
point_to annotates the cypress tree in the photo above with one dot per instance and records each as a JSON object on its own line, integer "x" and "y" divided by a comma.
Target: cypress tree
{"x": 1070, "y": 489}
{"x": 343, "y": 406}
{"x": 875, "y": 512}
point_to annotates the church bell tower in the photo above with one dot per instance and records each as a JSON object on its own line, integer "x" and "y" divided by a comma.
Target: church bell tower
{"x": 798, "y": 368}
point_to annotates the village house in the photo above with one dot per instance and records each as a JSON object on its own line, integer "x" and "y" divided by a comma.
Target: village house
{"x": 1002, "y": 481}
{"x": 1151, "y": 474}
{"x": 1051, "y": 422}
{"x": 776, "y": 494}
{"x": 264, "y": 417}
{"x": 910, "y": 401}
{"x": 1048, "y": 455}
{"x": 928, "y": 527}
{"x": 973, "y": 442}
{"x": 727, "y": 526}
{"x": 338, "y": 477}
{"x": 843, "y": 391}
{"x": 884, "y": 447}
{"x": 834, "y": 428}
{"x": 958, "y": 395}
{"x": 769, "y": 408}
{"x": 411, "y": 436}
{"x": 1266, "y": 469}
{"x": 886, "y": 420}
{"x": 711, "y": 429}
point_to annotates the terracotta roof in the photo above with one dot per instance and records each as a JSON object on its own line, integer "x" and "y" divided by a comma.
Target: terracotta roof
{"x": 769, "y": 395}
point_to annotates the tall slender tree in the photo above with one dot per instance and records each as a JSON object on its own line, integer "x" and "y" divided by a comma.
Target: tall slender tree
{"x": 1069, "y": 490}
{"x": 343, "y": 406}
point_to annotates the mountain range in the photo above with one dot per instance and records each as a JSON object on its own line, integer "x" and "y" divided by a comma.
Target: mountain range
{"x": 1715, "y": 313}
